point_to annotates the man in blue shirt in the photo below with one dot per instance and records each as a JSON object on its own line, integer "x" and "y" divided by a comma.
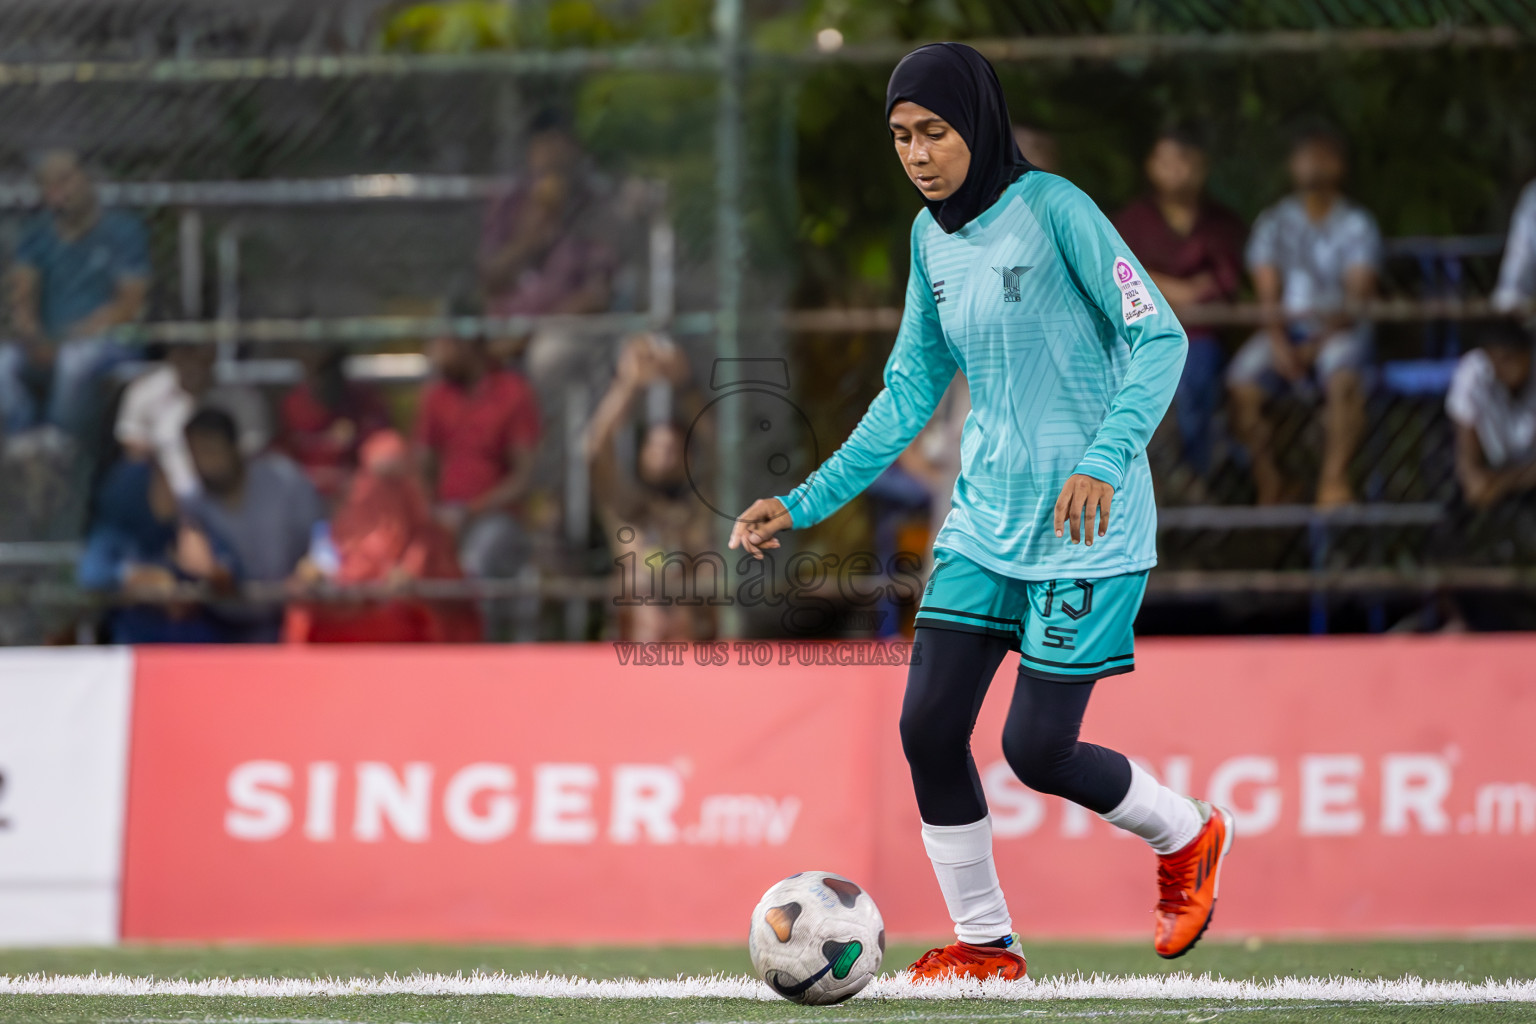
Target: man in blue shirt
{"x": 78, "y": 272}
{"x": 1071, "y": 355}
{"x": 141, "y": 545}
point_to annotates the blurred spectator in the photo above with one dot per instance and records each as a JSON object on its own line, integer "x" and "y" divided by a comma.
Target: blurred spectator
{"x": 140, "y": 545}
{"x": 384, "y": 533}
{"x": 1193, "y": 248}
{"x": 1492, "y": 405}
{"x": 1517, "y": 274}
{"x": 326, "y": 418}
{"x": 264, "y": 505}
{"x": 156, "y": 405}
{"x": 1311, "y": 254}
{"x": 476, "y": 432}
{"x": 79, "y": 271}
{"x": 649, "y": 507}
{"x": 543, "y": 249}
{"x": 1038, "y": 146}
{"x": 1492, "y": 402}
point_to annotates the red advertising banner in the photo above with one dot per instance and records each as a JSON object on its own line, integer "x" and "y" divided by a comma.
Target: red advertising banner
{"x": 537, "y": 793}
{"x": 555, "y": 794}
{"x": 1379, "y": 786}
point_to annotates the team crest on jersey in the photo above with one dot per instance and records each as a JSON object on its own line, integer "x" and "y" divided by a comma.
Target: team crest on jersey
{"x": 1135, "y": 301}
{"x": 1010, "y": 276}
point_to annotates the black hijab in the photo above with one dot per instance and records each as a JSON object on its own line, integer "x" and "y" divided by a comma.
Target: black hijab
{"x": 957, "y": 83}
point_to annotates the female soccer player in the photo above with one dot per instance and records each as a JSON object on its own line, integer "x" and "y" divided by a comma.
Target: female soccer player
{"x": 1072, "y": 356}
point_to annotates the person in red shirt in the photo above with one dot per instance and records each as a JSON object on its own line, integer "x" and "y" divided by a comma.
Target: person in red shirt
{"x": 1193, "y": 248}
{"x": 476, "y": 433}
{"x": 326, "y": 418}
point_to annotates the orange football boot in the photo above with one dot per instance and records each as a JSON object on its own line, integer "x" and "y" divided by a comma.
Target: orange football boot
{"x": 963, "y": 960}
{"x": 1187, "y": 883}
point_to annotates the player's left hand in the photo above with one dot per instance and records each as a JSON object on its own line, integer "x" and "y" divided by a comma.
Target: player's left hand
{"x": 1084, "y": 500}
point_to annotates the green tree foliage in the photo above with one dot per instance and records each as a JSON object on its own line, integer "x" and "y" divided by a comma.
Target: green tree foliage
{"x": 461, "y": 26}
{"x": 464, "y": 26}
{"x": 1441, "y": 141}
{"x": 1441, "y": 138}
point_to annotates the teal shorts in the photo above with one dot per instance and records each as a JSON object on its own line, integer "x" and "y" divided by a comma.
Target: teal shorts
{"x": 1072, "y": 631}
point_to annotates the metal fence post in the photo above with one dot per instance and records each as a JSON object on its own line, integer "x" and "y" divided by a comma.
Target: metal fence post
{"x": 578, "y": 499}
{"x": 228, "y": 250}
{"x": 661, "y": 242}
{"x": 729, "y": 246}
{"x": 190, "y": 254}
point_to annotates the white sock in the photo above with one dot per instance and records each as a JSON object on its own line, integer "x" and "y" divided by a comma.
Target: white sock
{"x": 962, "y": 860}
{"x": 1167, "y": 821}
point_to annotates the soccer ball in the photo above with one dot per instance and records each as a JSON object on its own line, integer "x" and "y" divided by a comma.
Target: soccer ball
{"x": 816, "y": 938}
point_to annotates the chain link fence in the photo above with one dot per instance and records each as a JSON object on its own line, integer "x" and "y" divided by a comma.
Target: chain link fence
{"x": 316, "y": 176}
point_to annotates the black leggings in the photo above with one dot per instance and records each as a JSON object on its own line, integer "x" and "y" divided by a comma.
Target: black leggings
{"x": 946, "y": 683}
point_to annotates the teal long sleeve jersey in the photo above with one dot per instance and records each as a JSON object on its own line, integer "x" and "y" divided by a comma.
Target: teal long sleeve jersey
{"x": 1072, "y": 356}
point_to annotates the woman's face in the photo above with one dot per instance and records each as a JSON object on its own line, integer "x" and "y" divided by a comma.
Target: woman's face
{"x": 932, "y": 153}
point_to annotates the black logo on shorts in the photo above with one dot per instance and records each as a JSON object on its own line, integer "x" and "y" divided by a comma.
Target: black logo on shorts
{"x": 1062, "y": 639}
{"x": 1010, "y": 276}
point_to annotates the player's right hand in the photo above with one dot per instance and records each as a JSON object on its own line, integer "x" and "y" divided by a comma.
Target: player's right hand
{"x": 756, "y": 526}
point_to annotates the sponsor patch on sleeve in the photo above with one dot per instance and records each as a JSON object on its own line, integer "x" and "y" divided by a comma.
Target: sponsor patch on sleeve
{"x": 1135, "y": 301}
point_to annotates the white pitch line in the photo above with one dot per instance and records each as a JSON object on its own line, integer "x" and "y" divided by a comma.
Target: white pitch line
{"x": 1014, "y": 1013}
{"x": 903, "y": 1018}
{"x": 899, "y": 986}
{"x": 1055, "y": 1014}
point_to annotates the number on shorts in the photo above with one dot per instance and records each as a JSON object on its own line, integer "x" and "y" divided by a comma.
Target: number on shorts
{"x": 1086, "y": 586}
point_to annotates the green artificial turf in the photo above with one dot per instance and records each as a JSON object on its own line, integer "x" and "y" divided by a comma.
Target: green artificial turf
{"x": 1431, "y": 960}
